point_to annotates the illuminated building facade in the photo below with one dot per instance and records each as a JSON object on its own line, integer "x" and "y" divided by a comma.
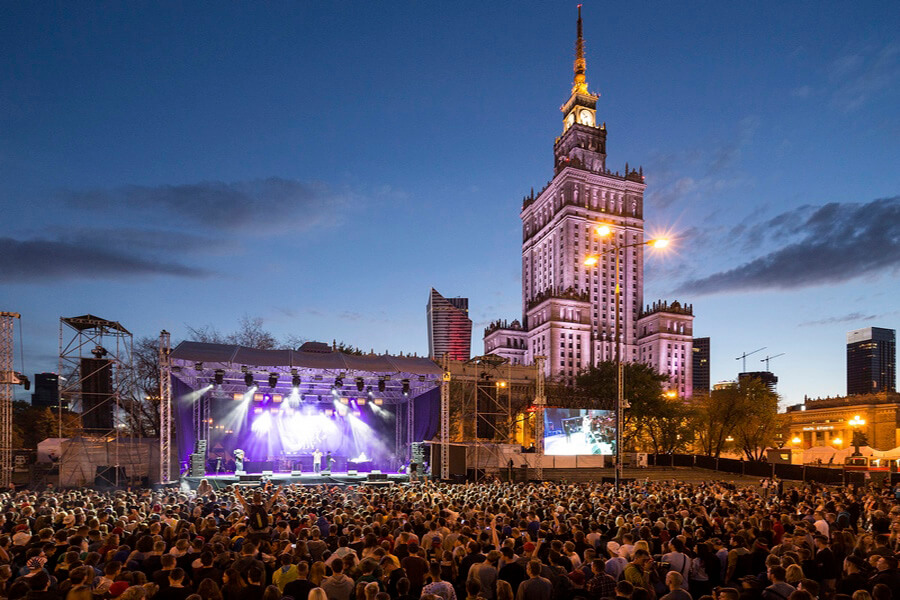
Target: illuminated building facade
{"x": 827, "y": 421}
{"x": 568, "y": 307}
{"x": 449, "y": 327}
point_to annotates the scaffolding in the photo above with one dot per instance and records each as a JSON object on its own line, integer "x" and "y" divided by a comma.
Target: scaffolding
{"x": 540, "y": 403}
{"x": 7, "y": 379}
{"x": 487, "y": 409}
{"x": 90, "y": 337}
{"x": 445, "y": 418}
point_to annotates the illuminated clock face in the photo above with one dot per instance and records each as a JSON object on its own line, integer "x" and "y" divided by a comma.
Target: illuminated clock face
{"x": 570, "y": 120}
{"x": 586, "y": 118}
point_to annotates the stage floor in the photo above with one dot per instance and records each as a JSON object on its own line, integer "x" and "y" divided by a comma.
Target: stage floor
{"x": 334, "y": 478}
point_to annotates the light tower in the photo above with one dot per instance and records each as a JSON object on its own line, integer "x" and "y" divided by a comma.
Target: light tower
{"x": 7, "y": 379}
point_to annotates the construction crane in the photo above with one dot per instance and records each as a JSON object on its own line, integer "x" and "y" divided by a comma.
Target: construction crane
{"x": 745, "y": 355}
{"x": 768, "y": 358}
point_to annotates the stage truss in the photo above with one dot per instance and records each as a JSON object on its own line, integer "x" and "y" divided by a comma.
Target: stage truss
{"x": 392, "y": 386}
{"x": 90, "y": 336}
{"x": 487, "y": 409}
{"x": 7, "y": 379}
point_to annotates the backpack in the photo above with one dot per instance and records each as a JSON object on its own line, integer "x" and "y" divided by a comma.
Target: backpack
{"x": 259, "y": 518}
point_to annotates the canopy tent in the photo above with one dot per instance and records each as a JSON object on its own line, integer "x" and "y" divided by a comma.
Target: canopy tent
{"x": 825, "y": 454}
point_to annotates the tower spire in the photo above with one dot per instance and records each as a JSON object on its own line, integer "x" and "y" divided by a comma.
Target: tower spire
{"x": 579, "y": 84}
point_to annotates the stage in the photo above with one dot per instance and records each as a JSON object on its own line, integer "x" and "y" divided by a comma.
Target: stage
{"x": 323, "y": 478}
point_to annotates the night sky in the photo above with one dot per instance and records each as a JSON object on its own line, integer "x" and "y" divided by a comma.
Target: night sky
{"x": 322, "y": 165}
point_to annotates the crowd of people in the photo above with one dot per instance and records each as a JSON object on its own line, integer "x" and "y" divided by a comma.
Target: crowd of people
{"x": 435, "y": 541}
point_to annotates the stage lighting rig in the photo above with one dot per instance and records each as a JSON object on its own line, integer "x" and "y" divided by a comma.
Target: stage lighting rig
{"x": 405, "y": 383}
{"x": 273, "y": 380}
{"x": 248, "y": 379}
{"x": 295, "y": 382}
{"x": 360, "y": 384}
{"x": 219, "y": 376}
{"x": 198, "y": 366}
{"x": 338, "y": 382}
{"x": 381, "y": 384}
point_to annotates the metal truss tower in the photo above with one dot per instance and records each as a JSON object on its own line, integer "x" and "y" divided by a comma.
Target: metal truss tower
{"x": 82, "y": 339}
{"x": 165, "y": 408}
{"x": 488, "y": 410}
{"x": 445, "y": 418}
{"x": 7, "y": 379}
{"x": 540, "y": 403}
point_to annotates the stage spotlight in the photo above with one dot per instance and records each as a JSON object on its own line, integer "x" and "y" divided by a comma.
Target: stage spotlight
{"x": 273, "y": 380}
{"x": 360, "y": 401}
{"x": 198, "y": 366}
{"x": 360, "y": 384}
{"x": 378, "y": 401}
{"x": 405, "y": 383}
{"x": 421, "y": 378}
{"x": 219, "y": 376}
{"x": 248, "y": 379}
{"x": 295, "y": 382}
{"x": 381, "y": 384}
{"x": 338, "y": 382}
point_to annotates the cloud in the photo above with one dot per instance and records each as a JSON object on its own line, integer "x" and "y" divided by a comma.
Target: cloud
{"x": 820, "y": 245}
{"x": 691, "y": 174}
{"x": 857, "y": 77}
{"x": 38, "y": 260}
{"x": 259, "y": 205}
{"x": 854, "y": 316}
{"x": 803, "y": 91}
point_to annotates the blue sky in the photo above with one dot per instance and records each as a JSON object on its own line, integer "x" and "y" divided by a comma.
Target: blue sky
{"x": 322, "y": 165}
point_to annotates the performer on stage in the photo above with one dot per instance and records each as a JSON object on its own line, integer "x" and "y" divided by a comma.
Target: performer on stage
{"x": 317, "y": 461}
{"x": 238, "y": 461}
{"x": 328, "y": 461}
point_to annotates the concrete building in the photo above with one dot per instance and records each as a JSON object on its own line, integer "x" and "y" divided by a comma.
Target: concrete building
{"x": 568, "y": 307}
{"x": 871, "y": 361}
{"x": 666, "y": 343}
{"x": 766, "y": 377}
{"x": 46, "y": 390}
{"x": 826, "y": 421}
{"x": 449, "y": 327}
{"x": 700, "y": 366}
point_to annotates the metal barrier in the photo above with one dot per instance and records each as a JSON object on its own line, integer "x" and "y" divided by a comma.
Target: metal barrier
{"x": 761, "y": 469}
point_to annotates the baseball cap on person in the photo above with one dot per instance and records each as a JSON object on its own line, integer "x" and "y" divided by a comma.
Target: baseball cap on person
{"x": 117, "y": 588}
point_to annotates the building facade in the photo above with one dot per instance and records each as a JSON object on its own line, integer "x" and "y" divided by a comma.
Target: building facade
{"x": 700, "y": 350}
{"x": 826, "y": 421}
{"x": 768, "y": 379}
{"x": 665, "y": 343}
{"x": 568, "y": 307}
{"x": 46, "y": 390}
{"x": 449, "y": 327}
{"x": 871, "y": 361}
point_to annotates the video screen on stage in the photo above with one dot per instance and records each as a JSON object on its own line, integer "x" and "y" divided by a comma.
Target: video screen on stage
{"x": 573, "y": 431}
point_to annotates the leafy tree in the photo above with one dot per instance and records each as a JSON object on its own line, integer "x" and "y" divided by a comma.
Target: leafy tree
{"x": 671, "y": 428}
{"x": 748, "y": 412}
{"x": 33, "y": 424}
{"x": 756, "y": 430}
{"x": 250, "y": 333}
{"x": 141, "y": 407}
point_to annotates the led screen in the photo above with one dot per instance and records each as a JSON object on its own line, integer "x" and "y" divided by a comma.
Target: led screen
{"x": 572, "y": 431}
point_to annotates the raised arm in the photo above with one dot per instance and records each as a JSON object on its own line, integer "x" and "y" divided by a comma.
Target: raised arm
{"x": 274, "y": 497}
{"x": 240, "y": 497}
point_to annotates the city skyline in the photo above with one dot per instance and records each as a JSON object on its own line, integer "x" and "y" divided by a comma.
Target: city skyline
{"x": 309, "y": 165}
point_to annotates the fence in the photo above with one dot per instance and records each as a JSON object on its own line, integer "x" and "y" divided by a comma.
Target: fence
{"x": 824, "y": 475}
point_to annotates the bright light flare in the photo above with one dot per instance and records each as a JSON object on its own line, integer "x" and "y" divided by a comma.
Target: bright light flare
{"x": 591, "y": 261}
{"x": 658, "y": 243}
{"x": 603, "y": 230}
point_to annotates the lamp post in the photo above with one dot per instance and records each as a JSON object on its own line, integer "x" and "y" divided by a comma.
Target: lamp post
{"x": 605, "y": 231}
{"x": 856, "y": 422}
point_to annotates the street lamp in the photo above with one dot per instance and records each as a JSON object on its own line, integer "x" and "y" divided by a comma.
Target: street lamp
{"x": 796, "y": 441}
{"x": 837, "y": 441}
{"x": 856, "y": 422}
{"x": 605, "y": 230}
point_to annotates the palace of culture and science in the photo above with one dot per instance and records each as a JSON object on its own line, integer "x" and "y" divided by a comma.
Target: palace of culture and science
{"x": 569, "y": 308}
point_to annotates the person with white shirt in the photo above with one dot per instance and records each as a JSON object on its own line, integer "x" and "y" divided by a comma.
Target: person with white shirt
{"x": 679, "y": 562}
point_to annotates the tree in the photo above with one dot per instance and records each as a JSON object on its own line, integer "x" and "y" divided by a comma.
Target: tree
{"x": 671, "y": 427}
{"x": 32, "y": 424}
{"x": 141, "y": 406}
{"x": 597, "y": 388}
{"x": 747, "y": 412}
{"x": 756, "y": 430}
{"x": 250, "y": 333}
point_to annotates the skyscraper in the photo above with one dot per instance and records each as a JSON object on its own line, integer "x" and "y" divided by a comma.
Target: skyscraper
{"x": 569, "y": 312}
{"x": 871, "y": 361}
{"x": 701, "y": 365}
{"x": 449, "y": 327}
{"x": 46, "y": 390}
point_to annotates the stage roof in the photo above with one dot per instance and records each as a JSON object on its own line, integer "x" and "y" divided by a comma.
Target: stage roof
{"x": 332, "y": 361}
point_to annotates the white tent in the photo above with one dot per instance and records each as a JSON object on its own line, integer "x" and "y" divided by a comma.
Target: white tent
{"x": 818, "y": 453}
{"x": 82, "y": 459}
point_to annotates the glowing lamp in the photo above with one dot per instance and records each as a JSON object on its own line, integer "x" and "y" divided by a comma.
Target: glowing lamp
{"x": 658, "y": 243}
{"x": 604, "y": 230}
{"x": 591, "y": 261}
{"x": 837, "y": 441}
{"x": 796, "y": 440}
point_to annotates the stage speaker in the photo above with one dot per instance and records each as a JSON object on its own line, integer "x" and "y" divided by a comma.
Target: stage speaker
{"x": 246, "y": 478}
{"x": 96, "y": 395}
{"x": 352, "y": 472}
{"x": 373, "y": 476}
{"x": 199, "y": 446}
{"x": 296, "y": 473}
{"x": 268, "y": 473}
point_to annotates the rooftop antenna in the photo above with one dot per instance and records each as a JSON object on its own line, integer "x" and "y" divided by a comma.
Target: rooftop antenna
{"x": 746, "y": 354}
{"x": 768, "y": 358}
